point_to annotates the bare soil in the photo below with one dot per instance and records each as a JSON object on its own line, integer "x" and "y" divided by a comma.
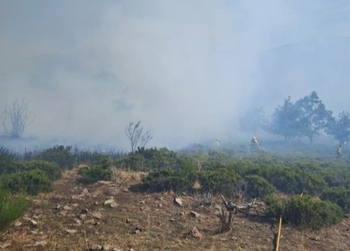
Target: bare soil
{"x": 74, "y": 217}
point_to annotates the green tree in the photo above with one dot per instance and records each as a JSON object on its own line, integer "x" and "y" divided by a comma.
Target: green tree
{"x": 339, "y": 127}
{"x": 285, "y": 121}
{"x": 312, "y": 116}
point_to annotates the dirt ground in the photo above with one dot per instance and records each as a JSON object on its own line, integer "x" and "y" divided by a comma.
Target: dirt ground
{"x": 109, "y": 216}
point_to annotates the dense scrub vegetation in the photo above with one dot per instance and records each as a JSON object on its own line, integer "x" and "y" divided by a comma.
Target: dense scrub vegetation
{"x": 232, "y": 171}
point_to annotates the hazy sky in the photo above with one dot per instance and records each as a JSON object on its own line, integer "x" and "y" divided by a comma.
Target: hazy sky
{"x": 186, "y": 68}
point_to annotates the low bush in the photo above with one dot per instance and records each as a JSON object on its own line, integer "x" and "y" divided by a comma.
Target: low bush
{"x": 304, "y": 211}
{"x": 166, "y": 179}
{"x": 30, "y": 182}
{"x": 101, "y": 170}
{"x": 258, "y": 187}
{"x": 11, "y": 208}
{"x": 339, "y": 196}
{"x": 51, "y": 169}
{"x": 61, "y": 155}
{"x": 90, "y": 175}
{"x": 217, "y": 181}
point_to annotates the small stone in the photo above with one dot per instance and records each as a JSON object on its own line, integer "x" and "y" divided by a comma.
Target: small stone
{"x": 172, "y": 219}
{"x": 18, "y": 223}
{"x": 67, "y": 208}
{"x": 34, "y": 223}
{"x": 195, "y": 214}
{"x": 178, "y": 201}
{"x": 315, "y": 238}
{"x": 114, "y": 205}
{"x": 195, "y": 233}
{"x": 85, "y": 192}
{"x": 109, "y": 202}
{"x": 71, "y": 231}
{"x": 95, "y": 247}
{"x": 106, "y": 247}
{"x": 84, "y": 211}
{"x": 137, "y": 231}
{"x": 97, "y": 215}
{"x": 125, "y": 190}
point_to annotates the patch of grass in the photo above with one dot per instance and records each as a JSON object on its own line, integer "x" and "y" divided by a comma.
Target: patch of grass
{"x": 11, "y": 208}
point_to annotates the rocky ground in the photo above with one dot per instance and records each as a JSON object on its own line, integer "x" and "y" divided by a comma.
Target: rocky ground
{"x": 109, "y": 216}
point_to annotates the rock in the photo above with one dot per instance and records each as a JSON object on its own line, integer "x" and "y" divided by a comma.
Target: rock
{"x": 71, "y": 231}
{"x": 97, "y": 215}
{"x": 218, "y": 207}
{"x": 34, "y": 223}
{"x": 178, "y": 201}
{"x": 18, "y": 223}
{"x": 77, "y": 222}
{"x": 315, "y": 238}
{"x": 195, "y": 233}
{"x": 58, "y": 207}
{"x": 172, "y": 219}
{"x": 67, "y": 208}
{"x": 182, "y": 213}
{"x": 114, "y": 205}
{"x": 95, "y": 247}
{"x": 142, "y": 202}
{"x": 137, "y": 231}
{"x": 109, "y": 202}
{"x": 116, "y": 249}
{"x": 105, "y": 182}
{"x": 85, "y": 192}
{"x": 125, "y": 190}
{"x": 84, "y": 211}
{"x": 106, "y": 248}
{"x": 92, "y": 221}
{"x": 195, "y": 214}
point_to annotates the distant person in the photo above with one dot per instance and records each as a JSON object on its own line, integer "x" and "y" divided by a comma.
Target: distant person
{"x": 339, "y": 151}
{"x": 254, "y": 142}
{"x": 216, "y": 142}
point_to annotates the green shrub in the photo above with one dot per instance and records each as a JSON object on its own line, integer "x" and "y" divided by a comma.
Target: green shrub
{"x": 166, "y": 179}
{"x": 305, "y": 212}
{"x": 339, "y": 196}
{"x": 11, "y": 208}
{"x": 149, "y": 159}
{"x": 258, "y": 187}
{"x": 93, "y": 174}
{"x": 59, "y": 154}
{"x": 221, "y": 181}
{"x": 51, "y": 169}
{"x": 31, "y": 182}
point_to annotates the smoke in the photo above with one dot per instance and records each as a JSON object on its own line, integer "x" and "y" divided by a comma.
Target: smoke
{"x": 186, "y": 69}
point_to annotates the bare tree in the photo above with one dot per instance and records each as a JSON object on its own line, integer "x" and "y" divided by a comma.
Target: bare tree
{"x": 16, "y": 118}
{"x": 136, "y": 135}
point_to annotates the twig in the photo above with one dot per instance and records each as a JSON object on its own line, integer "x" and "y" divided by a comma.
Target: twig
{"x": 279, "y": 234}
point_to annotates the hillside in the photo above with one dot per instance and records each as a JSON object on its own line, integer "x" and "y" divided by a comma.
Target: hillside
{"x": 73, "y": 217}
